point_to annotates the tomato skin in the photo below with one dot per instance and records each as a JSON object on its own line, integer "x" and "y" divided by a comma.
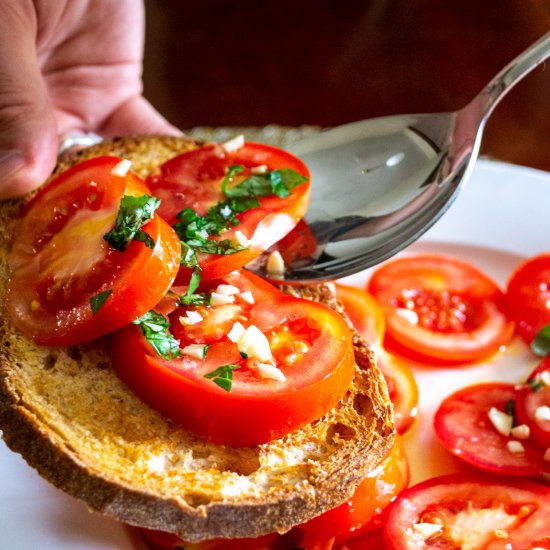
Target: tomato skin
{"x": 440, "y": 309}
{"x": 445, "y": 498}
{"x": 368, "y": 319}
{"x": 462, "y": 424}
{"x": 372, "y": 495}
{"x": 402, "y": 389}
{"x": 528, "y": 400}
{"x": 363, "y": 311}
{"x": 60, "y": 260}
{"x": 193, "y": 180}
{"x": 272, "y": 409}
{"x": 528, "y": 293}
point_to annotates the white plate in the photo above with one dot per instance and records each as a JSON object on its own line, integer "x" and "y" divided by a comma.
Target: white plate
{"x": 500, "y": 218}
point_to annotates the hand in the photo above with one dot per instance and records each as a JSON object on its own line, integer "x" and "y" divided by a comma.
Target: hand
{"x": 65, "y": 66}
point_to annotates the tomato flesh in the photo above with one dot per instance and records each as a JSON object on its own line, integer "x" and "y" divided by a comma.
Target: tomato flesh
{"x": 194, "y": 180}
{"x": 440, "y": 309}
{"x": 256, "y": 409}
{"x": 372, "y": 495}
{"x": 473, "y": 512}
{"x": 368, "y": 319}
{"x": 530, "y": 397}
{"x": 528, "y": 295}
{"x": 462, "y": 424}
{"x": 60, "y": 260}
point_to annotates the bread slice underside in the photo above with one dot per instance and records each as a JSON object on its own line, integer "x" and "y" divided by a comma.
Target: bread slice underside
{"x": 70, "y": 417}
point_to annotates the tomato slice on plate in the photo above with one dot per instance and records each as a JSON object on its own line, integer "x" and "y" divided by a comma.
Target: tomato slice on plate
{"x": 194, "y": 180}
{"x": 462, "y": 423}
{"x": 363, "y": 311}
{"x": 368, "y": 319}
{"x": 372, "y": 495}
{"x": 466, "y": 511}
{"x": 293, "y": 362}
{"x": 60, "y": 263}
{"x": 533, "y": 405}
{"x": 528, "y": 295}
{"x": 402, "y": 388}
{"x": 440, "y": 309}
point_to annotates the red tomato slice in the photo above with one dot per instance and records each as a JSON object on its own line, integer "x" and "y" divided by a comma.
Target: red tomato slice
{"x": 369, "y": 539}
{"x": 373, "y": 494}
{"x": 440, "y": 309}
{"x": 402, "y": 389}
{"x": 300, "y": 243}
{"x": 528, "y": 295}
{"x": 60, "y": 260}
{"x": 529, "y": 398}
{"x": 473, "y": 512}
{"x": 363, "y": 311}
{"x": 157, "y": 540}
{"x": 368, "y": 319}
{"x": 193, "y": 180}
{"x": 462, "y": 424}
{"x": 310, "y": 345}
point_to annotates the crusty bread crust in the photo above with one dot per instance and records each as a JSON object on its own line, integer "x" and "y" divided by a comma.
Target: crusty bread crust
{"x": 83, "y": 430}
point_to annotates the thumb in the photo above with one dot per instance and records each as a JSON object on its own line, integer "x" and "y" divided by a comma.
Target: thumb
{"x": 28, "y": 132}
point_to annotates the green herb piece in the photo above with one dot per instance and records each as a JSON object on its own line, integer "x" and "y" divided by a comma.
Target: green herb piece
{"x": 194, "y": 232}
{"x": 510, "y": 409}
{"x": 133, "y": 214}
{"x": 97, "y": 301}
{"x": 277, "y": 182}
{"x": 191, "y": 298}
{"x": 154, "y": 327}
{"x": 223, "y": 376}
{"x": 536, "y": 384}
{"x": 232, "y": 171}
{"x": 540, "y": 346}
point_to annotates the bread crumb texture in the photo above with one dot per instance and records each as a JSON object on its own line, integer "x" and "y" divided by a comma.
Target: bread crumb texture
{"x": 73, "y": 420}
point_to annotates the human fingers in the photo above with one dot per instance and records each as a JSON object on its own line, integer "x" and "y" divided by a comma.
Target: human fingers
{"x": 137, "y": 116}
{"x": 28, "y": 132}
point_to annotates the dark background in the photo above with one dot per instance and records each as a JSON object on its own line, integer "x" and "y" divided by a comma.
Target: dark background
{"x": 252, "y": 63}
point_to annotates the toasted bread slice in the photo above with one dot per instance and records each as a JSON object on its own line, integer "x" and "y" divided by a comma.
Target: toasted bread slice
{"x": 73, "y": 420}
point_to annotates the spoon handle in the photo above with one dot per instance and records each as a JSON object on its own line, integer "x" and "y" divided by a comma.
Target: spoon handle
{"x": 484, "y": 103}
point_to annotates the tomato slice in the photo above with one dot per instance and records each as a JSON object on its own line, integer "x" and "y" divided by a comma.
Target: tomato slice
{"x": 157, "y": 540}
{"x": 60, "y": 260}
{"x": 473, "y": 512}
{"x": 530, "y": 398}
{"x": 528, "y": 295}
{"x": 440, "y": 309}
{"x": 372, "y": 495}
{"x": 309, "y": 343}
{"x": 194, "y": 180}
{"x": 463, "y": 425}
{"x": 363, "y": 311}
{"x": 402, "y": 388}
{"x": 368, "y": 319}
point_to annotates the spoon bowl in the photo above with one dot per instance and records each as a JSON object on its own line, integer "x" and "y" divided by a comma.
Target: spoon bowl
{"x": 379, "y": 184}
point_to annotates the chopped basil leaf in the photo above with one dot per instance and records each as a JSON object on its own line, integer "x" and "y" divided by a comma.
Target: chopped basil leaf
{"x": 223, "y": 376}
{"x": 195, "y": 231}
{"x": 235, "y": 169}
{"x": 541, "y": 344}
{"x": 277, "y": 182}
{"x": 133, "y": 214}
{"x": 98, "y": 300}
{"x": 190, "y": 298}
{"x": 510, "y": 409}
{"x": 205, "y": 350}
{"x": 536, "y": 384}
{"x": 154, "y": 327}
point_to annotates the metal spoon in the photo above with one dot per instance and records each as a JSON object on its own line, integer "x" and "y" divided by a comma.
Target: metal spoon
{"x": 379, "y": 184}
